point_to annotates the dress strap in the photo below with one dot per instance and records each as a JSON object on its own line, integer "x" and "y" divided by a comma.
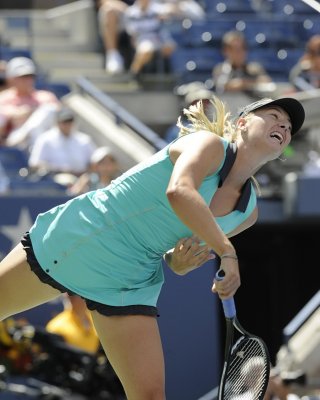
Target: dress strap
{"x": 231, "y": 155}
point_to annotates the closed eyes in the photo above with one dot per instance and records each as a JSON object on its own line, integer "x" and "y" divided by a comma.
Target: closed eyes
{"x": 278, "y": 116}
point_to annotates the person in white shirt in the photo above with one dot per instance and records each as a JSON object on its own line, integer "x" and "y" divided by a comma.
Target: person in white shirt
{"x": 62, "y": 149}
{"x": 112, "y": 26}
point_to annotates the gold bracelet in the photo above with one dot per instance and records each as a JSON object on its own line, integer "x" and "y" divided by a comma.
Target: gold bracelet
{"x": 227, "y": 255}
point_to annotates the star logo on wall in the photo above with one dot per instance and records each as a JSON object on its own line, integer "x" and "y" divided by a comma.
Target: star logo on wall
{"x": 15, "y": 232}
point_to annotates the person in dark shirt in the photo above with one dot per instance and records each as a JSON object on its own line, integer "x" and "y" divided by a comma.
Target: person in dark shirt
{"x": 236, "y": 73}
{"x": 305, "y": 75}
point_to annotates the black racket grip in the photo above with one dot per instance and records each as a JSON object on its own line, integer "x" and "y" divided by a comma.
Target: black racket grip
{"x": 229, "y": 307}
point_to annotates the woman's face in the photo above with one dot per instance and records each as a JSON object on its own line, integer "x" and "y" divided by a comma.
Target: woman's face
{"x": 270, "y": 128}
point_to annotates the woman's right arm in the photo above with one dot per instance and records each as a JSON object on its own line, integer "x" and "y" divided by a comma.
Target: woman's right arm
{"x": 195, "y": 157}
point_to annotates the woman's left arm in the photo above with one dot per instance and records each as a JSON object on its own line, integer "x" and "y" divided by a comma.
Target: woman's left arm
{"x": 189, "y": 254}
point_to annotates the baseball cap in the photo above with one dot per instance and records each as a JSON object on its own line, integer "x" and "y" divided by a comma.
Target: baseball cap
{"x": 20, "y": 66}
{"x": 199, "y": 94}
{"x": 292, "y": 106}
{"x": 65, "y": 114}
{"x": 99, "y": 154}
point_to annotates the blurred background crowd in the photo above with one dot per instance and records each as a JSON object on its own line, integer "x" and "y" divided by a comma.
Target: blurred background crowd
{"x": 189, "y": 50}
{"x": 90, "y": 88}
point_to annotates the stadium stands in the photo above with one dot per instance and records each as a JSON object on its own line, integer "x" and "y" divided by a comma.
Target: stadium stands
{"x": 60, "y": 89}
{"x": 276, "y": 35}
{"x": 15, "y": 164}
{"x": 6, "y": 53}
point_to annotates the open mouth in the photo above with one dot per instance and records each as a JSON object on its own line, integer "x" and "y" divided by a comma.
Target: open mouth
{"x": 277, "y": 136}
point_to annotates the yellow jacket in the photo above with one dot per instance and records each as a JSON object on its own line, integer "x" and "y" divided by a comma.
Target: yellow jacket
{"x": 68, "y": 325}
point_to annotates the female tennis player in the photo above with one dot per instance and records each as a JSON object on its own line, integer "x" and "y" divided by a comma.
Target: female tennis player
{"x": 107, "y": 245}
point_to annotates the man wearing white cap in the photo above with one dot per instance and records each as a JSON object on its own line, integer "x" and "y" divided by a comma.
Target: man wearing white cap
{"x": 25, "y": 111}
{"x": 104, "y": 167}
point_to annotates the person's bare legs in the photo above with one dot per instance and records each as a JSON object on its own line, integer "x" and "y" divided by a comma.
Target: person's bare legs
{"x": 167, "y": 50}
{"x": 20, "y": 288}
{"x": 140, "y": 60}
{"x": 110, "y": 24}
{"x": 133, "y": 346}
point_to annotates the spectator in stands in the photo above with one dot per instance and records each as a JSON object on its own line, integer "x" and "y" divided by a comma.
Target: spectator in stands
{"x": 236, "y": 73}
{"x": 63, "y": 148}
{"x": 277, "y": 390}
{"x": 112, "y": 26}
{"x": 305, "y": 75}
{"x": 149, "y": 36}
{"x": 103, "y": 168}
{"x": 3, "y": 81}
{"x": 282, "y": 388}
{"x": 180, "y": 9}
{"x": 25, "y": 112}
{"x": 75, "y": 325}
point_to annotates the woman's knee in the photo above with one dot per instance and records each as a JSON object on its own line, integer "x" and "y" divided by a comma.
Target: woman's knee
{"x": 133, "y": 347}
{"x": 155, "y": 391}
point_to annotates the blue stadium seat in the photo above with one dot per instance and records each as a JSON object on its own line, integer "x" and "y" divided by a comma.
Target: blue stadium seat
{"x": 293, "y": 7}
{"x": 6, "y": 53}
{"x": 205, "y": 33}
{"x": 191, "y": 64}
{"x": 218, "y": 27}
{"x": 277, "y": 62}
{"x": 307, "y": 26}
{"x": 60, "y": 89}
{"x": 13, "y": 160}
{"x": 214, "y": 7}
{"x": 271, "y": 33}
{"x": 35, "y": 185}
{"x": 195, "y": 59}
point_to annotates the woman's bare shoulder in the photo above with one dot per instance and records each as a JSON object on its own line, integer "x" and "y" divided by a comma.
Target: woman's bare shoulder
{"x": 201, "y": 145}
{"x": 197, "y": 140}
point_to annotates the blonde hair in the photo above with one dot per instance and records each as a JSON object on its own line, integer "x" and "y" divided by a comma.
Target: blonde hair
{"x": 221, "y": 123}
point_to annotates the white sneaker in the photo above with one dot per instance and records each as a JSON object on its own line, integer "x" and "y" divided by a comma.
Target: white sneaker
{"x": 114, "y": 62}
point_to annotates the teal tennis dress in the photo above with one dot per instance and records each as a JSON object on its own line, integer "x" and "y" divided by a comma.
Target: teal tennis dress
{"x": 107, "y": 245}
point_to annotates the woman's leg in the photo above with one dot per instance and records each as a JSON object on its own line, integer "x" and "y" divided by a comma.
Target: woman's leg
{"x": 20, "y": 288}
{"x": 133, "y": 346}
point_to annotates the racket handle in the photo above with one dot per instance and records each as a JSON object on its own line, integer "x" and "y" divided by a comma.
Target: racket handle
{"x": 228, "y": 305}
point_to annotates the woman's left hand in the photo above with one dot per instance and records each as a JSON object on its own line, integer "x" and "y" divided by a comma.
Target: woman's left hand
{"x": 188, "y": 255}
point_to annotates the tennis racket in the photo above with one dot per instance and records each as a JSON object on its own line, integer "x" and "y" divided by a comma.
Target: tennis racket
{"x": 246, "y": 367}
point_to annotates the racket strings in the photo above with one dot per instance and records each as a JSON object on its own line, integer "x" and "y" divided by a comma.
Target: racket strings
{"x": 248, "y": 371}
